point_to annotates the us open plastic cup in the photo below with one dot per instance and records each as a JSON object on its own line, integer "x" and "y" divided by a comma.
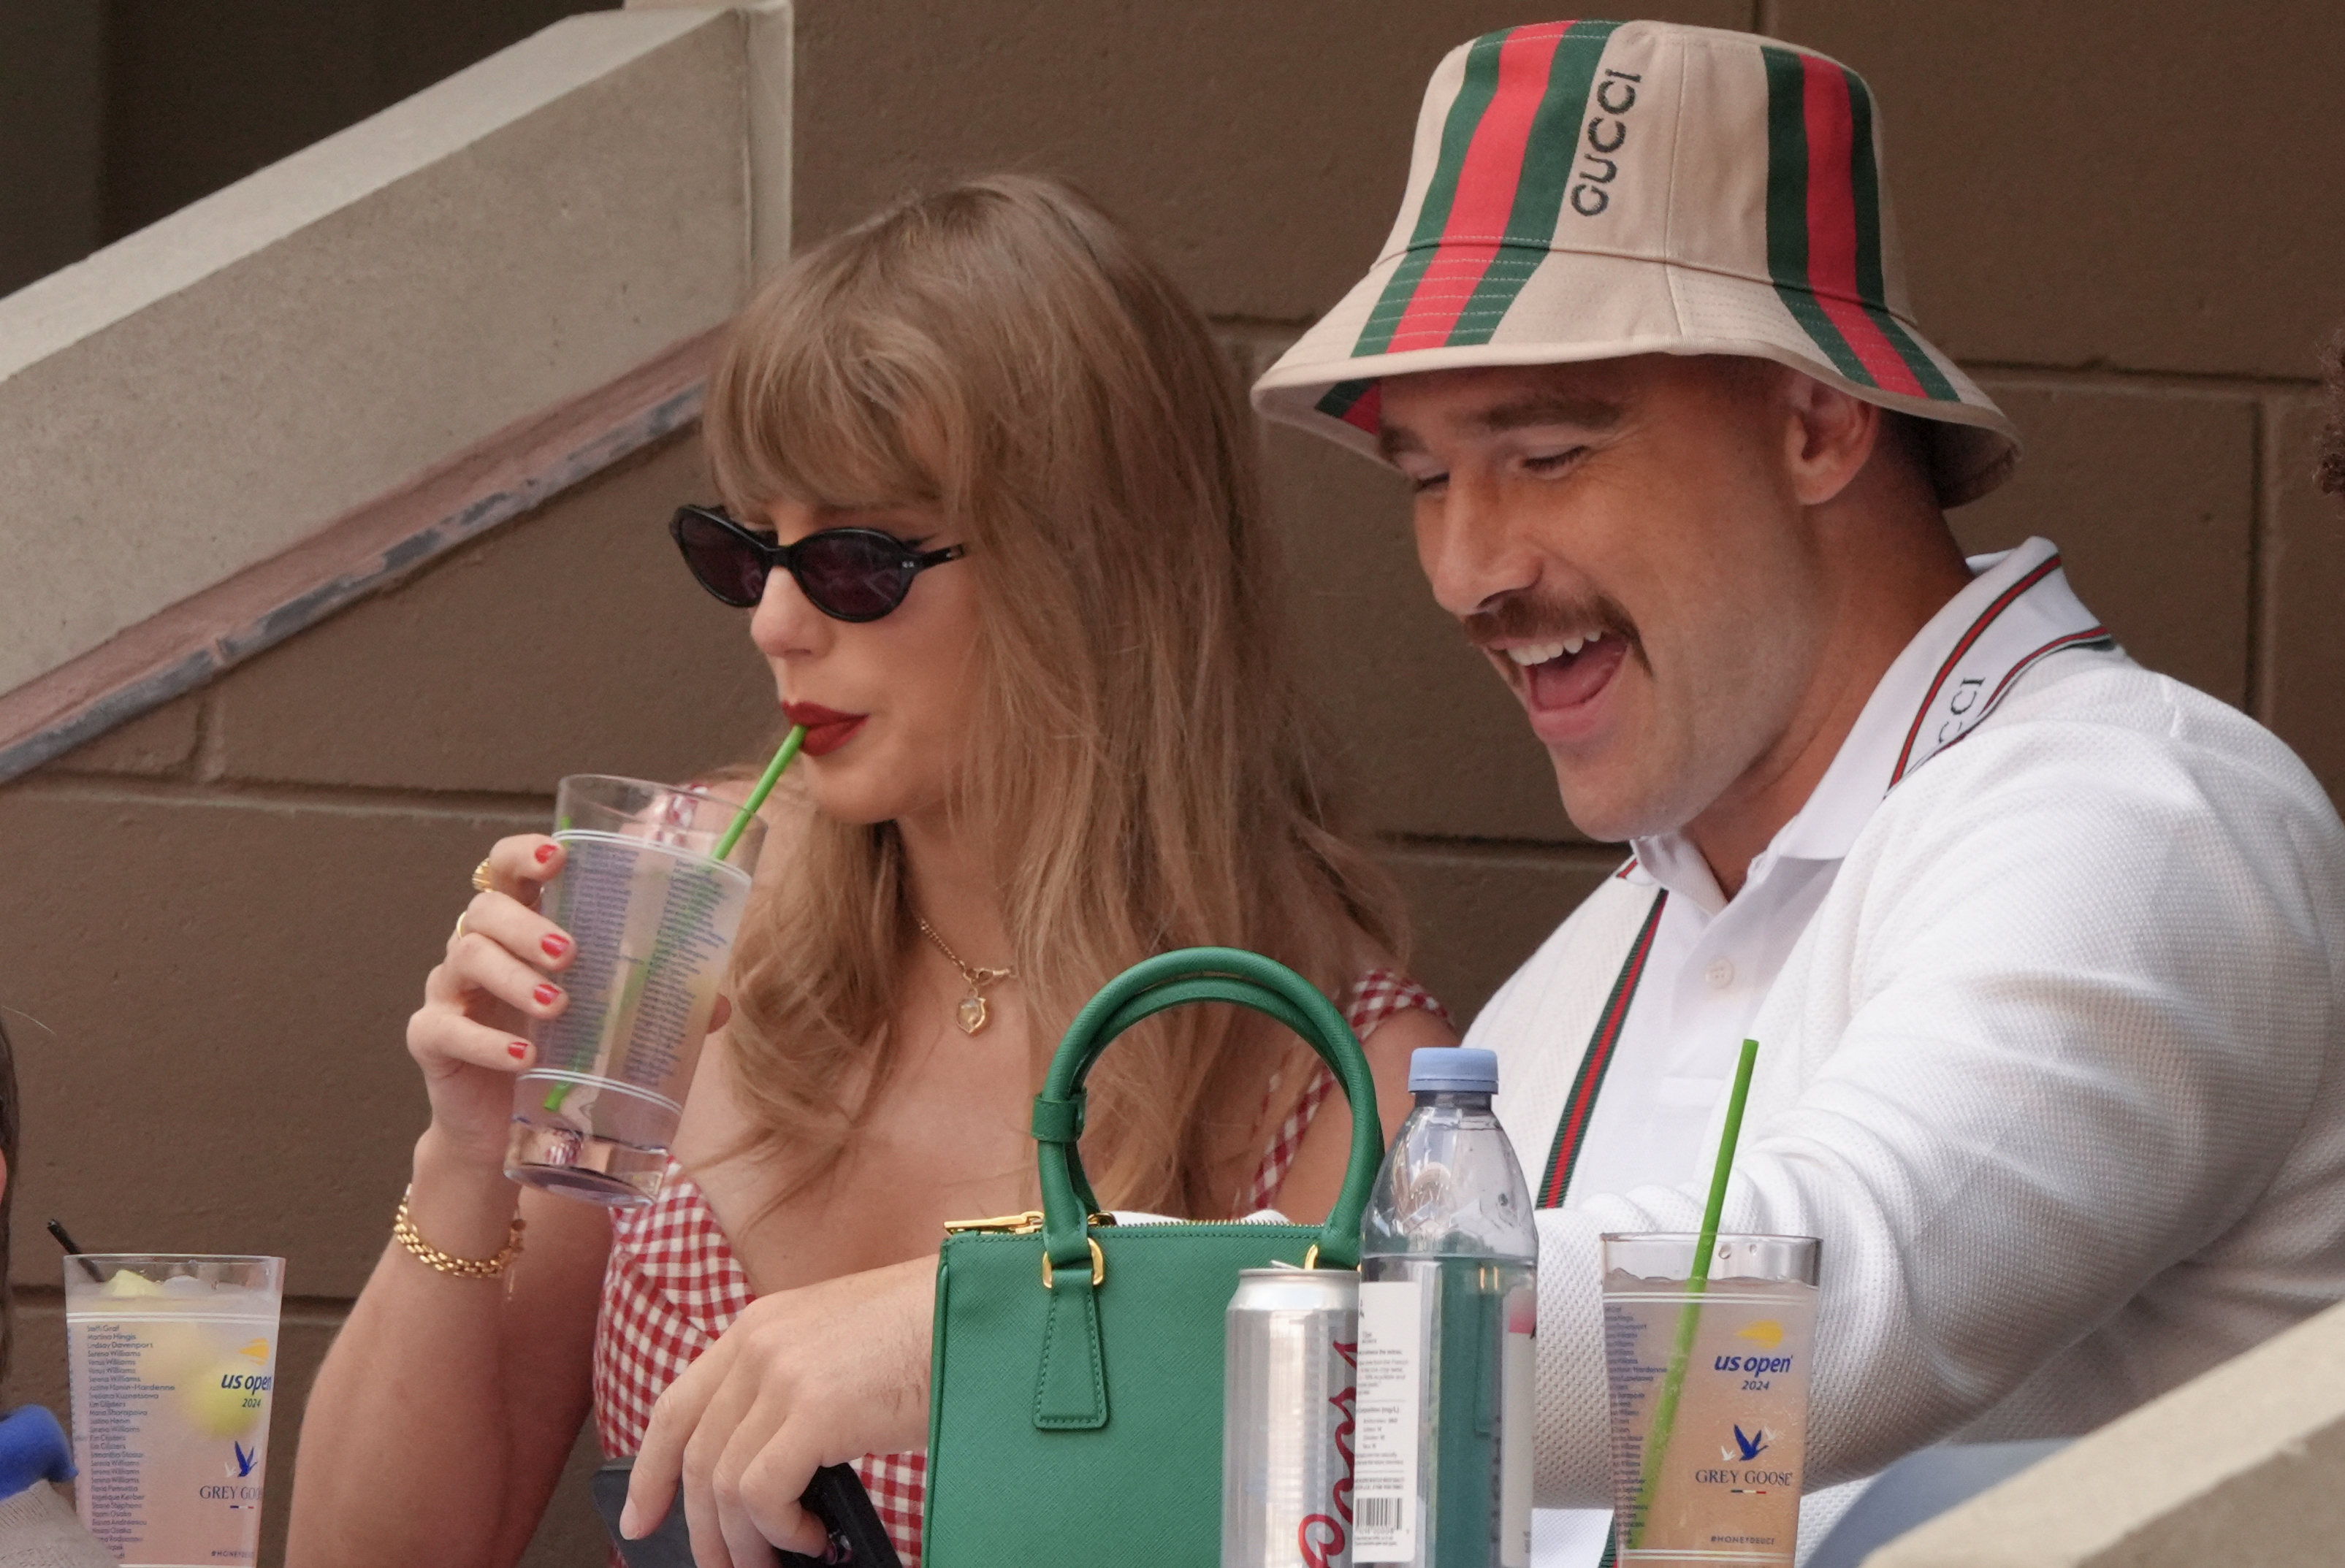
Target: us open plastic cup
{"x": 173, "y": 1361}
{"x": 654, "y": 913}
{"x": 1724, "y": 1487}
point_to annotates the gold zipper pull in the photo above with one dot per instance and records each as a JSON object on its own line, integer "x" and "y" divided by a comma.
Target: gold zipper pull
{"x": 1024, "y": 1224}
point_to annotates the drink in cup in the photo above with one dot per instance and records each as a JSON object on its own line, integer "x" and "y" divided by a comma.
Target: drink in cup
{"x": 1712, "y": 1474}
{"x": 173, "y": 1361}
{"x": 652, "y": 905}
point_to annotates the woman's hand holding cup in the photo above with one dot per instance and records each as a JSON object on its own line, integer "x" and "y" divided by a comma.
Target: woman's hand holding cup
{"x": 499, "y": 975}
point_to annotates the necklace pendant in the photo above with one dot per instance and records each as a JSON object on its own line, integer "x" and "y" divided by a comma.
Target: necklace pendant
{"x": 970, "y": 1014}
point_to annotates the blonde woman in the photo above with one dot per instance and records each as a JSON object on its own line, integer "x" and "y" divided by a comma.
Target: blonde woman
{"x": 1051, "y": 732}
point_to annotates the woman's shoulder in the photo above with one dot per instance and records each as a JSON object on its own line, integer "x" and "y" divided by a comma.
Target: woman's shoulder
{"x": 1394, "y": 1016}
{"x": 1384, "y": 990}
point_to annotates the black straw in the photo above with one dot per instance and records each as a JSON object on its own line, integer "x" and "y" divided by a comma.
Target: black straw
{"x": 57, "y": 1230}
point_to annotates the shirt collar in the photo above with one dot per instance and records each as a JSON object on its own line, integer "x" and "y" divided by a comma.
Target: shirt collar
{"x": 1957, "y": 670}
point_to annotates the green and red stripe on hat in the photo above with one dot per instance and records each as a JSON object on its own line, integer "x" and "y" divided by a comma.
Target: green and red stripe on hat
{"x": 1507, "y": 154}
{"x": 1588, "y": 189}
{"x": 1823, "y": 224}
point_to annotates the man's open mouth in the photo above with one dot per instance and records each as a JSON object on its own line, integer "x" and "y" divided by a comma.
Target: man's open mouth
{"x": 1568, "y": 672}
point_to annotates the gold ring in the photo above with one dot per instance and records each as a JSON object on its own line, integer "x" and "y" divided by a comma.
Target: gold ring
{"x": 458, "y": 935}
{"x": 481, "y": 881}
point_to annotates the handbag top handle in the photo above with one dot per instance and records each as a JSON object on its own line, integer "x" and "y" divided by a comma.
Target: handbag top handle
{"x": 1171, "y": 980}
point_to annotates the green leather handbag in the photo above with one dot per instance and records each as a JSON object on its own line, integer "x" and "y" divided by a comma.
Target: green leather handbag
{"x": 1075, "y": 1405}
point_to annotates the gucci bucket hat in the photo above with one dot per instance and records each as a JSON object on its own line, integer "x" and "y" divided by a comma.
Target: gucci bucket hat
{"x": 1588, "y": 190}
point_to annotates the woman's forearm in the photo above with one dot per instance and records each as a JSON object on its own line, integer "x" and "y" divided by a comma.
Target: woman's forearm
{"x": 441, "y": 1418}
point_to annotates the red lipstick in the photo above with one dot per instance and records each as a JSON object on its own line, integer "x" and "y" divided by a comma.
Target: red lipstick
{"x": 827, "y": 728}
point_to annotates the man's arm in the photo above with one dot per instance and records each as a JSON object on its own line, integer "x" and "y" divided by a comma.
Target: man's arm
{"x": 2058, "y": 1027}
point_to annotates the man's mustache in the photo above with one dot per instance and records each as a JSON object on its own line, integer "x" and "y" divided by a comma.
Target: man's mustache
{"x": 1524, "y": 618}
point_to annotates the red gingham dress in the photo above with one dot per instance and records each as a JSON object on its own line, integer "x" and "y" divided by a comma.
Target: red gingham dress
{"x": 673, "y": 1285}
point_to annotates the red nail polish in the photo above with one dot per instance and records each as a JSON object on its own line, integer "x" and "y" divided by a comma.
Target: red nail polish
{"x": 518, "y": 1050}
{"x": 544, "y": 853}
{"x": 556, "y": 946}
{"x": 545, "y": 995}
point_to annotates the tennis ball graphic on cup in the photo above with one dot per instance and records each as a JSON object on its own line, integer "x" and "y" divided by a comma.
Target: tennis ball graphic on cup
{"x": 228, "y": 1397}
{"x": 218, "y": 1391}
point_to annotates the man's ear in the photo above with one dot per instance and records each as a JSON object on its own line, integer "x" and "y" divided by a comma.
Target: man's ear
{"x": 1828, "y": 438}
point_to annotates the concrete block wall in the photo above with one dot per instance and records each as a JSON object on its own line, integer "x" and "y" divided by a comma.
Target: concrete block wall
{"x": 214, "y": 390}
{"x": 116, "y": 112}
{"x": 217, "y": 917}
{"x": 220, "y": 916}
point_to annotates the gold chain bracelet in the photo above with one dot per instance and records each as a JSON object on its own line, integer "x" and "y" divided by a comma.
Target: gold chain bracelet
{"x": 402, "y": 1226}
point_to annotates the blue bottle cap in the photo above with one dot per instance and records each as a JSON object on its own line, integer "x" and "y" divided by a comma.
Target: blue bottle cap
{"x": 1460, "y": 1069}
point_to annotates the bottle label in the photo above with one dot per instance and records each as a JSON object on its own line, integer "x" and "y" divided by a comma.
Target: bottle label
{"x": 1519, "y": 1421}
{"x": 1391, "y": 1384}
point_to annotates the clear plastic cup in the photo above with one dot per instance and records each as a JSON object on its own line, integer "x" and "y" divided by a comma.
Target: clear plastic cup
{"x": 1724, "y": 1487}
{"x": 174, "y": 1364}
{"x": 654, "y": 913}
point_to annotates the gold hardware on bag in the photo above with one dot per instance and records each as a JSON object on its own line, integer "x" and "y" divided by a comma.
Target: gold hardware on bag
{"x": 1024, "y": 1224}
{"x": 1310, "y": 1256}
{"x": 1098, "y": 1267}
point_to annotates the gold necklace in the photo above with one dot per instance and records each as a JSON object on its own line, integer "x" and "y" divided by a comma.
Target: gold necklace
{"x": 970, "y": 1014}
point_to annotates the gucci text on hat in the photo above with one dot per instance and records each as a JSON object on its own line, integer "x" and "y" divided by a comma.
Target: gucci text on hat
{"x": 1586, "y": 190}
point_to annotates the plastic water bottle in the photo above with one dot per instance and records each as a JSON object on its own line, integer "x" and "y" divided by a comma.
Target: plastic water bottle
{"x": 1448, "y": 1312}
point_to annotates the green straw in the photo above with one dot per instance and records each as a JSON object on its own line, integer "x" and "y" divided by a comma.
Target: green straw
{"x": 782, "y": 759}
{"x": 1665, "y": 1408}
{"x": 747, "y": 814}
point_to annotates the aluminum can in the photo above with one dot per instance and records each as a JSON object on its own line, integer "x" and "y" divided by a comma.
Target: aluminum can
{"x": 1289, "y": 1385}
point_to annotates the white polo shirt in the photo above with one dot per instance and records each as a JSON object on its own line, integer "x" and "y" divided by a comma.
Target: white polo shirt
{"x": 1712, "y": 962}
{"x": 2047, "y": 981}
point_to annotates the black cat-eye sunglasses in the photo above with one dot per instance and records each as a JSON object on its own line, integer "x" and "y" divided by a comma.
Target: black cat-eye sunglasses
{"x": 847, "y": 573}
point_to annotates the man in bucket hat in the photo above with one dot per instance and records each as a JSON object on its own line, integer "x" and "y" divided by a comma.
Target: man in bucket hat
{"x": 2041, "y": 949}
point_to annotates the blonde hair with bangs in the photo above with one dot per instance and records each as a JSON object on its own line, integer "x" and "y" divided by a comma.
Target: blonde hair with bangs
{"x": 1144, "y": 769}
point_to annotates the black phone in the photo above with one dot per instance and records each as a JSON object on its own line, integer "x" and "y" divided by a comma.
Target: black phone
{"x": 836, "y": 1498}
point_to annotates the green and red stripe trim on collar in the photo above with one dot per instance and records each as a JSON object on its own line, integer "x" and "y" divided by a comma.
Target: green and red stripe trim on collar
{"x": 2093, "y": 637}
{"x": 1507, "y": 145}
{"x": 1580, "y": 1105}
{"x": 1823, "y": 226}
{"x": 2085, "y": 637}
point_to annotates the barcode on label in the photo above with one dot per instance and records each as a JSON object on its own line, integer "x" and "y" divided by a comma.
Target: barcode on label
{"x": 1384, "y": 1447}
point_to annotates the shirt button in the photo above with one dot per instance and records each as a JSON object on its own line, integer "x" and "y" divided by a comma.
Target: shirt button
{"x": 1721, "y": 973}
